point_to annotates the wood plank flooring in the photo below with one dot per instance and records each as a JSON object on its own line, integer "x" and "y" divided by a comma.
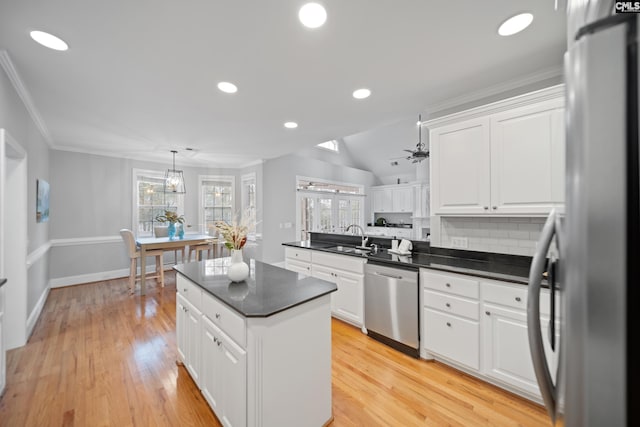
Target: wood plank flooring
{"x": 100, "y": 357}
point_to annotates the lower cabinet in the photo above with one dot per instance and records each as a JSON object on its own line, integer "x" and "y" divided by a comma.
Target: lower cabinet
{"x": 189, "y": 321}
{"x": 480, "y": 326}
{"x": 347, "y": 273}
{"x": 224, "y": 375}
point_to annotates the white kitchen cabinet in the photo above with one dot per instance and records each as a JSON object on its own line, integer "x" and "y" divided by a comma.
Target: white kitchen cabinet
{"x": 527, "y": 159}
{"x": 507, "y": 356}
{"x": 506, "y": 158}
{"x": 402, "y": 199}
{"x": 381, "y": 200}
{"x": 347, "y": 272}
{"x": 450, "y": 318}
{"x": 224, "y": 381}
{"x": 460, "y": 168}
{"x": 181, "y": 328}
{"x": 298, "y": 260}
{"x": 392, "y": 198}
{"x": 191, "y": 324}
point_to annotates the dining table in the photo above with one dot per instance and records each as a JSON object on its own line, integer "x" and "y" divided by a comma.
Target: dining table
{"x": 166, "y": 244}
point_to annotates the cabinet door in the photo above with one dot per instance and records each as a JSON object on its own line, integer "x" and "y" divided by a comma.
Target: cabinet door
{"x": 402, "y": 199}
{"x": 193, "y": 323}
{"x": 233, "y": 367}
{"x": 453, "y": 337}
{"x": 181, "y": 331}
{"x": 382, "y": 200}
{"x": 460, "y": 168}
{"x": 527, "y": 159}
{"x": 506, "y": 347}
{"x": 348, "y": 300}
{"x": 211, "y": 371}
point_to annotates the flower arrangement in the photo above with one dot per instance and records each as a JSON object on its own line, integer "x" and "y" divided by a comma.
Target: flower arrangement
{"x": 235, "y": 232}
{"x": 171, "y": 217}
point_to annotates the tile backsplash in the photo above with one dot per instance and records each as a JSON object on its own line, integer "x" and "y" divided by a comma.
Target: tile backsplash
{"x": 515, "y": 236}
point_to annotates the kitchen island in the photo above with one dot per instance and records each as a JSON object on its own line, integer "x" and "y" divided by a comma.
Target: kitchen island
{"x": 259, "y": 350}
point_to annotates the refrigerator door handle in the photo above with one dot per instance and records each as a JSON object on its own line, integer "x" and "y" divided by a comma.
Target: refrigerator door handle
{"x": 534, "y": 328}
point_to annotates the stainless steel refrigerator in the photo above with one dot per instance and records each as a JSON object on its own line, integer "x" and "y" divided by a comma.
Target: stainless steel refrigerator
{"x": 595, "y": 272}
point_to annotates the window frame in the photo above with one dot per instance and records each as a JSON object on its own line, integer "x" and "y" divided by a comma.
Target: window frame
{"x": 224, "y": 178}
{"x": 135, "y": 179}
{"x": 244, "y": 179}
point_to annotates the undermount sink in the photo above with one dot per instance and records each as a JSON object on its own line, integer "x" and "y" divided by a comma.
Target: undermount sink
{"x": 350, "y": 249}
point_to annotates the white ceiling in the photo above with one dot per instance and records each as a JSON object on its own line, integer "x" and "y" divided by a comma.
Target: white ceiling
{"x": 140, "y": 77}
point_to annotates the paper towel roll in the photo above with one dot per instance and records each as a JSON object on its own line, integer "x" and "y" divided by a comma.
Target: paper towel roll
{"x": 405, "y": 246}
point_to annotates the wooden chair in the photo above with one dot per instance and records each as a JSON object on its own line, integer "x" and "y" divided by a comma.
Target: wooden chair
{"x": 163, "y": 231}
{"x": 199, "y": 249}
{"x": 134, "y": 255}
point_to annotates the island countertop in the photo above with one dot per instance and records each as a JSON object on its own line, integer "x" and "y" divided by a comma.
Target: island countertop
{"x": 268, "y": 289}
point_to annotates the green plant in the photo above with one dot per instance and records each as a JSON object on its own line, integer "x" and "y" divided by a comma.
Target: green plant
{"x": 170, "y": 216}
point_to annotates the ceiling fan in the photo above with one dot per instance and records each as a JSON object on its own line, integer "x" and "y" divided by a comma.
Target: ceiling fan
{"x": 420, "y": 153}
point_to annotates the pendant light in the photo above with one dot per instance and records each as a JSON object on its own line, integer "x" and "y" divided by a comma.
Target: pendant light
{"x": 174, "y": 179}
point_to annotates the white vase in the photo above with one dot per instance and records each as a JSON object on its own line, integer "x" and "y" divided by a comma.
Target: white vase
{"x": 238, "y": 270}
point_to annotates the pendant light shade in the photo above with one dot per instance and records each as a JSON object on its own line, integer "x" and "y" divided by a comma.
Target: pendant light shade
{"x": 174, "y": 179}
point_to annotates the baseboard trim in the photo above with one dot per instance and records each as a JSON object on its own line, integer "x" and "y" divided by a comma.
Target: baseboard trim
{"x": 82, "y": 279}
{"x": 278, "y": 264}
{"x": 35, "y": 313}
{"x": 75, "y": 241}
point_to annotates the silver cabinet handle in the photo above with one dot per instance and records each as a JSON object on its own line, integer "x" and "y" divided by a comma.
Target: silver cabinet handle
{"x": 217, "y": 315}
{"x": 185, "y": 289}
{"x": 518, "y": 299}
{"x": 540, "y": 365}
{"x": 486, "y": 208}
{"x": 448, "y": 324}
{"x": 448, "y": 305}
{"x": 495, "y": 207}
{"x": 448, "y": 285}
{"x": 215, "y": 340}
{"x": 488, "y": 313}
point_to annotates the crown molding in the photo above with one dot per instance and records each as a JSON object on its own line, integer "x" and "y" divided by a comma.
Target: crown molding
{"x": 23, "y": 93}
{"x": 533, "y": 78}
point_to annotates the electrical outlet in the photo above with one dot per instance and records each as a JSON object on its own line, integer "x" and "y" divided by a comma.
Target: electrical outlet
{"x": 459, "y": 242}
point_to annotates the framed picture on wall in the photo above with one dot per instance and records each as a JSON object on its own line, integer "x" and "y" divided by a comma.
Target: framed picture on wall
{"x": 42, "y": 202}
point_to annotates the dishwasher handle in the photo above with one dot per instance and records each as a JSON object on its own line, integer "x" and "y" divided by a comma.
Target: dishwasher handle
{"x": 377, "y": 273}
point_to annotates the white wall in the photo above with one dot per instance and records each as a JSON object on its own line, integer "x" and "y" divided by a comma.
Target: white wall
{"x": 279, "y": 177}
{"x": 15, "y": 117}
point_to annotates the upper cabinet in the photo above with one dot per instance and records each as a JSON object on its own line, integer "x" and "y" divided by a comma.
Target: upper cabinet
{"x": 393, "y": 198}
{"x": 506, "y": 158}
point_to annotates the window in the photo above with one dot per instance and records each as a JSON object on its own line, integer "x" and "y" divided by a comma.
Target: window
{"x": 329, "y": 145}
{"x": 248, "y": 196}
{"x": 216, "y": 199}
{"x": 327, "y": 207}
{"x": 151, "y": 201}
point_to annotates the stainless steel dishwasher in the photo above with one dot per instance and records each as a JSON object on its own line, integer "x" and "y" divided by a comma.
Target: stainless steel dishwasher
{"x": 391, "y": 308}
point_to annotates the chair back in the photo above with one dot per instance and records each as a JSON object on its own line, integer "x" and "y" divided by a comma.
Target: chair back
{"x": 161, "y": 231}
{"x": 129, "y": 241}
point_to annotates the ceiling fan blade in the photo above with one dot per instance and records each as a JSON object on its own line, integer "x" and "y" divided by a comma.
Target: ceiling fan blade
{"x": 409, "y": 151}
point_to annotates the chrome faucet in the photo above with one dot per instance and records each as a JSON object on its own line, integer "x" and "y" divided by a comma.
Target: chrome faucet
{"x": 364, "y": 237}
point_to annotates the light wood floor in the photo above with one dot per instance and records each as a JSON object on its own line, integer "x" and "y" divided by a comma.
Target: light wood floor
{"x": 100, "y": 357}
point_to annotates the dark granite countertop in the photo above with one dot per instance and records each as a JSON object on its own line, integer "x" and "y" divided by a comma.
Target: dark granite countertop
{"x": 268, "y": 289}
{"x": 507, "y": 268}
{"x": 2, "y": 282}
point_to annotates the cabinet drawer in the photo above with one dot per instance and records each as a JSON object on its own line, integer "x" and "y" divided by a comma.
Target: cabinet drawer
{"x": 189, "y": 290}
{"x": 297, "y": 254}
{"x": 452, "y": 304}
{"x": 514, "y": 296}
{"x": 453, "y": 337}
{"x": 342, "y": 262}
{"x": 225, "y": 318}
{"x": 450, "y": 283}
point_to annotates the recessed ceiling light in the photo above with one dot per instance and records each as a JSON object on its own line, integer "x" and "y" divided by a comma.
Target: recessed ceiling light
{"x": 312, "y": 15}
{"x": 227, "y": 87}
{"x": 49, "y": 40}
{"x": 291, "y": 125}
{"x": 361, "y": 93}
{"x": 515, "y": 24}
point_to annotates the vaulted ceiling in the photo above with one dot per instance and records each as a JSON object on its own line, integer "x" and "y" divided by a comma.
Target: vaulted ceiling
{"x": 139, "y": 78}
